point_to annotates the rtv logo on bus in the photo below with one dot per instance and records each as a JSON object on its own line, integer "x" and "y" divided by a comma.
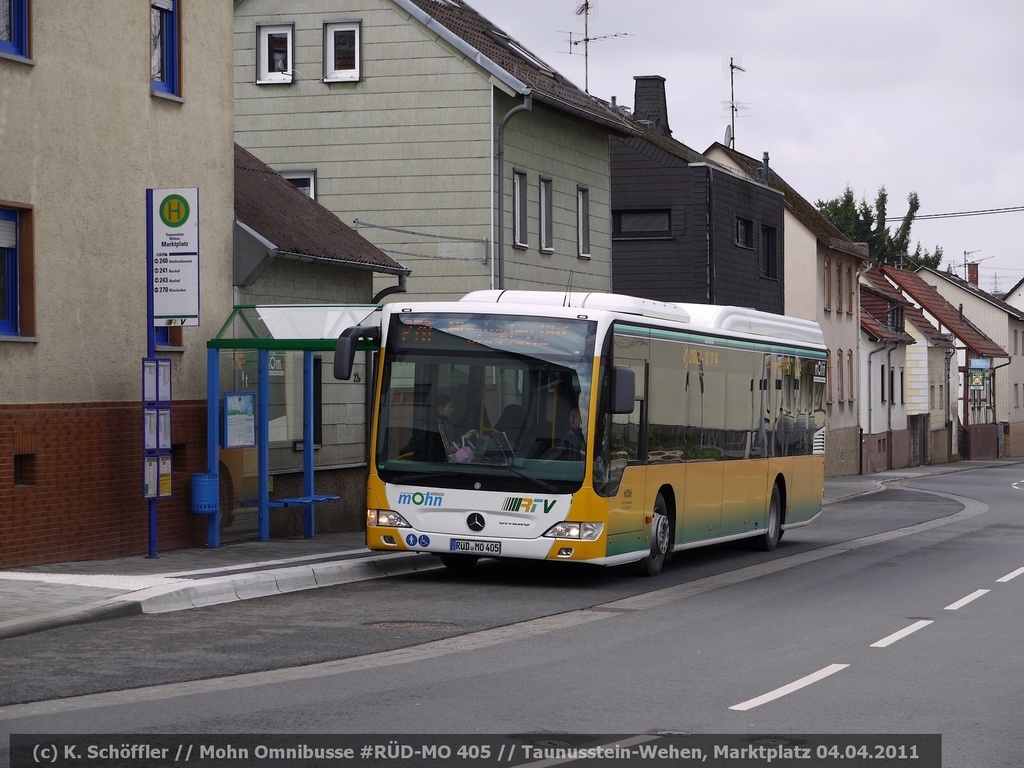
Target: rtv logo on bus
{"x": 529, "y": 506}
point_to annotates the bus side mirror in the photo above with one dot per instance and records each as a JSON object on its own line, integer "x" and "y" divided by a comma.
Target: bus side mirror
{"x": 623, "y": 389}
{"x": 345, "y": 349}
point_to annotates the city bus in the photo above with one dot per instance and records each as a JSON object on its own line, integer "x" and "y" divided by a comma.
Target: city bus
{"x": 588, "y": 427}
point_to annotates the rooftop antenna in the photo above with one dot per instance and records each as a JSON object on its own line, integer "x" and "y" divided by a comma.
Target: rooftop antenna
{"x": 966, "y": 254}
{"x": 734, "y": 106}
{"x": 584, "y": 10}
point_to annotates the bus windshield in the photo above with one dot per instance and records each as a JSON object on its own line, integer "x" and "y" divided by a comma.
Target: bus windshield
{"x": 467, "y": 398}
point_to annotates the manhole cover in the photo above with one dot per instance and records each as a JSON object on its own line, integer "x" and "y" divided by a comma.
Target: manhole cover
{"x": 411, "y": 625}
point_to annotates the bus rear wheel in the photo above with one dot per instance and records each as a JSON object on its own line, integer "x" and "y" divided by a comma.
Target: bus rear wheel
{"x": 661, "y": 539}
{"x": 773, "y": 530}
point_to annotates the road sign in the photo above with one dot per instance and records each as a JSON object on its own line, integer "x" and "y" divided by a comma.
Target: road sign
{"x": 174, "y": 256}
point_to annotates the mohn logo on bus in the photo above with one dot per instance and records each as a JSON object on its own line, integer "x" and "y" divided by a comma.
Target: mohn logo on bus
{"x": 529, "y": 506}
{"x": 420, "y": 499}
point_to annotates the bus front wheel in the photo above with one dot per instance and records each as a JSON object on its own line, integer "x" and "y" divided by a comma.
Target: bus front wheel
{"x": 661, "y": 539}
{"x": 773, "y": 530}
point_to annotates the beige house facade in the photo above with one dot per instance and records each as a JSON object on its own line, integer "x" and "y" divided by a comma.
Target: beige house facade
{"x": 83, "y": 139}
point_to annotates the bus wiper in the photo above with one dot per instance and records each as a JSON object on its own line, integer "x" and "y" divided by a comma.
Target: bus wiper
{"x": 516, "y": 471}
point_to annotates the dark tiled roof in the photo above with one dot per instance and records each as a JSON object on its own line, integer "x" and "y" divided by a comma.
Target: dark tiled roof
{"x": 296, "y": 224}
{"x": 809, "y": 215}
{"x": 945, "y": 313}
{"x": 666, "y": 143}
{"x": 511, "y": 56}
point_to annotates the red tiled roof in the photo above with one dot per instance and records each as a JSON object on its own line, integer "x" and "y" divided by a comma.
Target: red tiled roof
{"x": 875, "y": 313}
{"x": 945, "y": 313}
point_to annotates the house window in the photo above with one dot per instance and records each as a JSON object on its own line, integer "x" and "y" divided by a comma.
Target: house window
{"x": 641, "y": 224}
{"x": 341, "y": 52}
{"x": 14, "y": 27}
{"x": 519, "y": 227}
{"x": 583, "y": 222}
{"x": 304, "y": 181}
{"x": 744, "y": 233}
{"x": 17, "y": 272}
{"x": 275, "y": 54}
{"x": 8, "y": 272}
{"x": 839, "y": 370}
{"x": 850, "y": 290}
{"x": 828, "y": 284}
{"x": 164, "y": 48}
{"x": 547, "y": 215}
{"x": 769, "y": 255}
{"x": 882, "y": 378}
{"x": 849, "y": 372}
{"x": 831, "y": 377}
{"x": 839, "y": 287}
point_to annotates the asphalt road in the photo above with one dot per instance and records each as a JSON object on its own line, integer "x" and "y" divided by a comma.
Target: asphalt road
{"x": 896, "y": 612}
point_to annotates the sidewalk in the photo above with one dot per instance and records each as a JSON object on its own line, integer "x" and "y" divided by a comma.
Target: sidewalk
{"x": 47, "y": 596}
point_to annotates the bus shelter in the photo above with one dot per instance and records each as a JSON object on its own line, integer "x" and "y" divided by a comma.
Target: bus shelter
{"x": 238, "y": 412}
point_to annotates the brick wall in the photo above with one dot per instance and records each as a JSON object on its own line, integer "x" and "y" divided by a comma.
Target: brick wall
{"x": 78, "y": 490}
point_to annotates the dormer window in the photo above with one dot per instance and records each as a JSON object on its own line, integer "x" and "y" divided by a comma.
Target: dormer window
{"x": 518, "y": 49}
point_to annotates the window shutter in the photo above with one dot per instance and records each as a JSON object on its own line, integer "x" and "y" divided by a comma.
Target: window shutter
{"x": 8, "y": 233}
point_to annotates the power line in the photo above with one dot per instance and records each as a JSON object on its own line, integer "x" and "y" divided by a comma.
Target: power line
{"x": 959, "y": 214}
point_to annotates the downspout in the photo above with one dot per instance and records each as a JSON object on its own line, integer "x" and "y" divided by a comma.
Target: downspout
{"x": 871, "y": 400}
{"x": 945, "y": 407}
{"x": 526, "y": 106}
{"x": 995, "y": 413}
{"x": 892, "y": 402}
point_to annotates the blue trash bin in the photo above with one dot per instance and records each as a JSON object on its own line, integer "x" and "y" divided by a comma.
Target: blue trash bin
{"x": 205, "y": 491}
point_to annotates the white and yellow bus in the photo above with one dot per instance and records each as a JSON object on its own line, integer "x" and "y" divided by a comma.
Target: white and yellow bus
{"x": 697, "y": 425}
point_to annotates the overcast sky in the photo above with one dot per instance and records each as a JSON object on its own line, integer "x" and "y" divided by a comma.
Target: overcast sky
{"x": 921, "y": 96}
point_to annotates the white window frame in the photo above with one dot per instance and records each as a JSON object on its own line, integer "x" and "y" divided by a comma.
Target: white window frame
{"x": 520, "y": 225}
{"x": 263, "y": 73}
{"x": 582, "y": 222}
{"x": 547, "y": 212}
{"x": 308, "y": 179}
{"x": 332, "y": 75}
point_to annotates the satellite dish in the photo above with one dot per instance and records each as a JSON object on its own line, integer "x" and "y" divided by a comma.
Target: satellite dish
{"x": 728, "y": 136}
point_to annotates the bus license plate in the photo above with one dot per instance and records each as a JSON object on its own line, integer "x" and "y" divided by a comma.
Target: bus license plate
{"x": 471, "y": 547}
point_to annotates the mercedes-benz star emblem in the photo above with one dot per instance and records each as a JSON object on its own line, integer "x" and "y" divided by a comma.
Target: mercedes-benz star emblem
{"x": 475, "y": 522}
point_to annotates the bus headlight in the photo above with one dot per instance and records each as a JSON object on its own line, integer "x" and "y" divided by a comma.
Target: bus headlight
{"x": 571, "y": 530}
{"x": 386, "y": 517}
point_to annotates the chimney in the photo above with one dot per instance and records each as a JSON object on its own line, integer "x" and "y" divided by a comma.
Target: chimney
{"x": 972, "y": 273}
{"x": 764, "y": 173}
{"x": 649, "y": 103}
